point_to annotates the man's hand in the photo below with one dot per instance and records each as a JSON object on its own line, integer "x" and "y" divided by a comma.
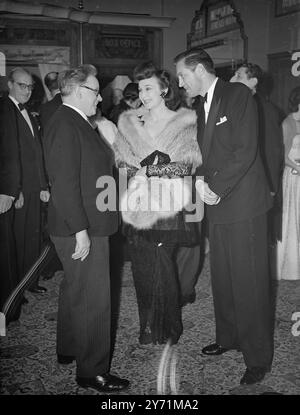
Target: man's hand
{"x": 206, "y": 195}
{"x": 83, "y": 244}
{"x": 45, "y": 196}
{"x": 20, "y": 202}
{"x": 5, "y": 203}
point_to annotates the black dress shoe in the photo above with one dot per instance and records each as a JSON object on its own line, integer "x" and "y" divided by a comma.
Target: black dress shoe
{"x": 65, "y": 360}
{"x": 38, "y": 290}
{"x": 253, "y": 375}
{"x": 214, "y": 350}
{"x": 103, "y": 383}
{"x": 188, "y": 299}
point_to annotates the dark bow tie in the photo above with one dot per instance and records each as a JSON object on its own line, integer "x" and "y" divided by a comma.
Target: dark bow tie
{"x": 204, "y": 99}
{"x": 21, "y": 107}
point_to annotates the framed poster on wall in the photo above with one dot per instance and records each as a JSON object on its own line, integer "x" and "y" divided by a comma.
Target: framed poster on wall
{"x": 283, "y": 7}
{"x": 220, "y": 18}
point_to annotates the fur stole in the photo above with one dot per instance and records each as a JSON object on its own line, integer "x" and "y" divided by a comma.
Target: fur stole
{"x": 178, "y": 139}
{"x": 148, "y": 200}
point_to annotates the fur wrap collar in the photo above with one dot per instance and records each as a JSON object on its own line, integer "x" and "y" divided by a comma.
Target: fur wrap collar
{"x": 178, "y": 139}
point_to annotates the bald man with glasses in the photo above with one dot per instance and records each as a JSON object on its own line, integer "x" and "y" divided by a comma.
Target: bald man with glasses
{"x": 22, "y": 181}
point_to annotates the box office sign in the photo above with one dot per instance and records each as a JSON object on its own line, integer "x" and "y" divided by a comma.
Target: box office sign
{"x": 122, "y": 46}
{"x": 286, "y": 6}
{"x": 220, "y": 18}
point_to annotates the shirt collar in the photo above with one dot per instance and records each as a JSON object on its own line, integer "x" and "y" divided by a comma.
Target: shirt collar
{"x": 14, "y": 100}
{"x": 77, "y": 110}
{"x": 210, "y": 92}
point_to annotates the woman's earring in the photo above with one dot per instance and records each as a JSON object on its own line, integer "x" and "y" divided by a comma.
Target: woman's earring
{"x": 163, "y": 94}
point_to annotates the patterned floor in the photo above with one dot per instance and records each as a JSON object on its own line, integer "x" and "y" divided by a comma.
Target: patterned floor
{"x": 28, "y": 363}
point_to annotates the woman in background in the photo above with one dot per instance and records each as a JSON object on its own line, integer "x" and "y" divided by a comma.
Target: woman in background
{"x": 129, "y": 101}
{"x": 288, "y": 250}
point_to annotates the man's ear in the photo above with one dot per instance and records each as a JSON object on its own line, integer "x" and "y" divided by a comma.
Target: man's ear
{"x": 253, "y": 82}
{"x": 78, "y": 92}
{"x": 199, "y": 70}
{"x": 9, "y": 84}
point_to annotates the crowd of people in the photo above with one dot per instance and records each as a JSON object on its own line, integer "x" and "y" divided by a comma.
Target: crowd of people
{"x": 223, "y": 148}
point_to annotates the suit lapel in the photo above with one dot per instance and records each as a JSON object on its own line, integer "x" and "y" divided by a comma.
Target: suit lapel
{"x": 212, "y": 119}
{"x": 200, "y": 124}
{"x": 210, "y": 126}
{"x": 34, "y": 125}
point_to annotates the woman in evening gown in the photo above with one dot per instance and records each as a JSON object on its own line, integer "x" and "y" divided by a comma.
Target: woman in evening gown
{"x": 288, "y": 249}
{"x": 157, "y": 143}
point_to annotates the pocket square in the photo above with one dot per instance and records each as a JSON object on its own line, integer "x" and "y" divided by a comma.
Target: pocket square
{"x": 222, "y": 120}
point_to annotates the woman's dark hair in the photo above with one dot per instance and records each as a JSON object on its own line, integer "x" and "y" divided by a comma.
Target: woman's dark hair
{"x": 166, "y": 80}
{"x": 131, "y": 91}
{"x": 294, "y": 99}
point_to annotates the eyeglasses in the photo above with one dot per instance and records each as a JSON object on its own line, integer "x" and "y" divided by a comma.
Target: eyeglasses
{"x": 96, "y": 91}
{"x": 25, "y": 86}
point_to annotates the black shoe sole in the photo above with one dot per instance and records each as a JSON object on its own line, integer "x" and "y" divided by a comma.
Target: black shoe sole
{"x": 99, "y": 389}
{"x": 65, "y": 360}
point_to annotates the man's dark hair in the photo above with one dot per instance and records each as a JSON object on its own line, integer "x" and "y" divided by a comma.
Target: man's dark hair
{"x": 192, "y": 57}
{"x": 253, "y": 71}
{"x": 51, "y": 81}
{"x": 294, "y": 99}
{"x": 131, "y": 91}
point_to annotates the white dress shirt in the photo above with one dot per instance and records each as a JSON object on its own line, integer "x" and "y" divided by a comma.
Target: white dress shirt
{"x": 23, "y": 112}
{"x": 207, "y": 105}
{"x": 210, "y": 94}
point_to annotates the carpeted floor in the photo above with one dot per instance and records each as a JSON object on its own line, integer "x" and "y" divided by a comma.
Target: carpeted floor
{"x": 28, "y": 363}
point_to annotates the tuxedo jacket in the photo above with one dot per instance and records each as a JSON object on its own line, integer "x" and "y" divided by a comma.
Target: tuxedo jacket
{"x": 49, "y": 108}
{"x": 21, "y": 160}
{"x": 270, "y": 141}
{"x": 76, "y": 157}
{"x": 232, "y": 166}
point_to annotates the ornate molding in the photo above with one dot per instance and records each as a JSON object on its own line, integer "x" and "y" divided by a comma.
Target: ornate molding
{"x": 80, "y": 16}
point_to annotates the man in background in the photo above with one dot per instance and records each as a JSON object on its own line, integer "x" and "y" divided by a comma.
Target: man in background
{"x": 270, "y": 139}
{"x": 46, "y": 111}
{"x": 48, "y": 108}
{"x": 23, "y": 181}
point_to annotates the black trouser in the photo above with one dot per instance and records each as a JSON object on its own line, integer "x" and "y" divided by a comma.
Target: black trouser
{"x": 8, "y": 264}
{"x": 84, "y": 315}
{"x": 27, "y": 228}
{"x": 241, "y": 289}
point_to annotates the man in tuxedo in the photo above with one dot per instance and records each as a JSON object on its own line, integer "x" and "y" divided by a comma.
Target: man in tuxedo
{"x": 48, "y": 108}
{"x": 9, "y": 184}
{"x": 270, "y": 138}
{"x": 76, "y": 157}
{"x": 23, "y": 176}
{"x": 237, "y": 198}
